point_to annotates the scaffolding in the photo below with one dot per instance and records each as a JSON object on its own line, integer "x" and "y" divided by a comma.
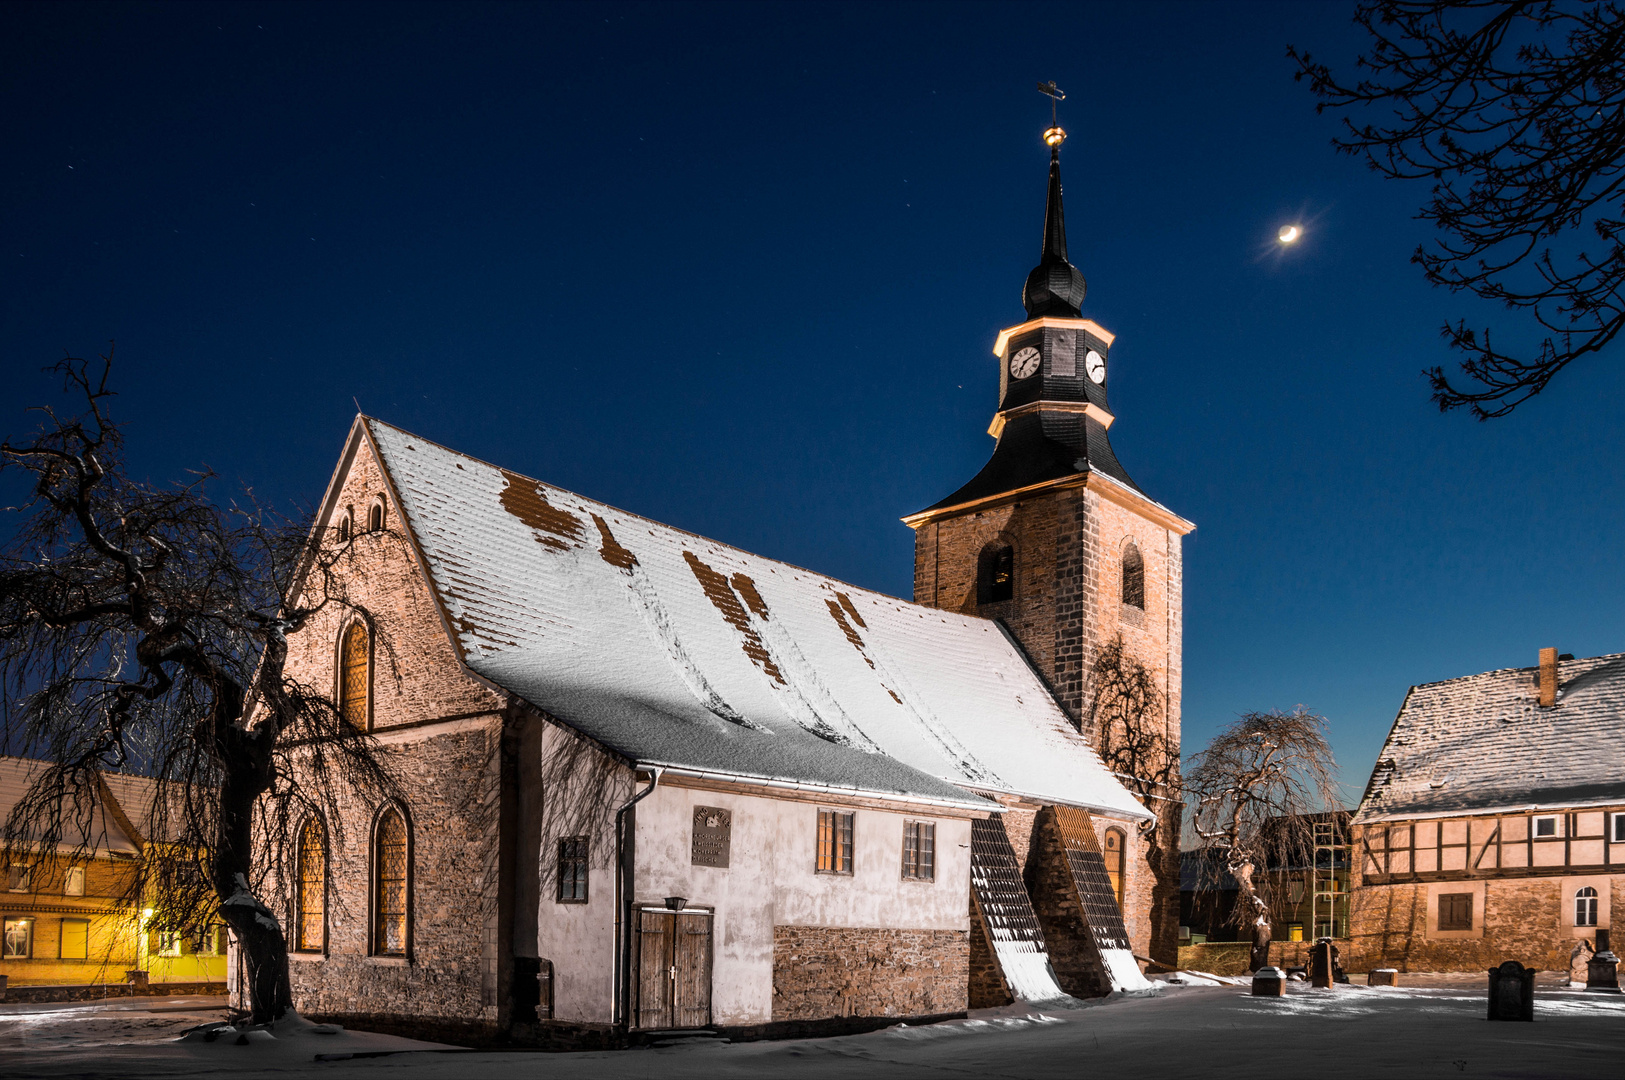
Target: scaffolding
{"x": 1327, "y": 905}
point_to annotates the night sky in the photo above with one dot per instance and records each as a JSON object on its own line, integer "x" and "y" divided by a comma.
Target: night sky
{"x": 740, "y": 269}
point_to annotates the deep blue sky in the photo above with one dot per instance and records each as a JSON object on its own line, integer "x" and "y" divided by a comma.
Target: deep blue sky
{"x": 740, "y": 268}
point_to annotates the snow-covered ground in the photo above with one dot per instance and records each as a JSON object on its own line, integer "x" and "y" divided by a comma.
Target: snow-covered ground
{"x": 1209, "y": 1031}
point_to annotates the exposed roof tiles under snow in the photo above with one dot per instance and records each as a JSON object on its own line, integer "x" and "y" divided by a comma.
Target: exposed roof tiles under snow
{"x": 102, "y": 837}
{"x": 676, "y": 650}
{"x": 1483, "y": 743}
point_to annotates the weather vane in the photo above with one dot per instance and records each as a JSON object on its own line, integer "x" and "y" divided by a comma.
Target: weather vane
{"x": 1054, "y": 136}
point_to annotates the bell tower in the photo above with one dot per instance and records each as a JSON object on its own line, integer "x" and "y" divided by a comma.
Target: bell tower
{"x": 1052, "y": 538}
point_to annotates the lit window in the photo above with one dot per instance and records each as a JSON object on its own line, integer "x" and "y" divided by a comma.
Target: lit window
{"x": 1546, "y": 826}
{"x": 19, "y": 877}
{"x": 995, "y": 574}
{"x": 166, "y": 943}
{"x": 75, "y": 939}
{"x": 312, "y": 925}
{"x": 1585, "y": 907}
{"x": 389, "y": 885}
{"x": 573, "y": 870}
{"x": 834, "y": 842}
{"x": 1456, "y": 911}
{"x": 73, "y": 884}
{"x": 1133, "y": 578}
{"x": 19, "y": 939}
{"x": 353, "y": 675}
{"x": 919, "y": 850}
{"x": 1115, "y": 842}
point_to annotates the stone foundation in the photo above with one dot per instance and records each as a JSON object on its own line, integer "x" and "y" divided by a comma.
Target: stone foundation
{"x": 823, "y": 972}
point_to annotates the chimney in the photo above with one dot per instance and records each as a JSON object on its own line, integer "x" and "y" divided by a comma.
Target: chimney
{"x": 1548, "y": 677}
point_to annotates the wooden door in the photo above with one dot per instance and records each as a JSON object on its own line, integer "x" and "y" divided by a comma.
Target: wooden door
{"x": 674, "y": 969}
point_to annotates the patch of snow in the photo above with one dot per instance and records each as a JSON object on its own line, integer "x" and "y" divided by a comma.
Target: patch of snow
{"x": 1124, "y": 970}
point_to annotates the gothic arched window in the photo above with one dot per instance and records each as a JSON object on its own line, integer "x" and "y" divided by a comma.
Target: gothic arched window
{"x": 1585, "y": 907}
{"x": 375, "y": 515}
{"x": 346, "y": 525}
{"x": 391, "y": 884}
{"x": 1133, "y": 578}
{"x": 995, "y": 574}
{"x": 311, "y": 928}
{"x": 1116, "y": 841}
{"x": 354, "y": 650}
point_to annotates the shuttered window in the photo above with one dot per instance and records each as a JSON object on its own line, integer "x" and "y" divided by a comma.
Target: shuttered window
{"x": 353, "y": 675}
{"x": 75, "y": 939}
{"x": 1456, "y": 911}
{"x": 919, "y": 851}
{"x": 573, "y": 870}
{"x": 390, "y": 869}
{"x": 312, "y": 924}
{"x": 834, "y": 842}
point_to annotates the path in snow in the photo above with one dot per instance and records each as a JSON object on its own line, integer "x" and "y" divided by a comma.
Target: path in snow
{"x": 1217, "y": 1031}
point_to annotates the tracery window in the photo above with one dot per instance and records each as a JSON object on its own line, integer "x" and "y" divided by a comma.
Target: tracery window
{"x": 1115, "y": 842}
{"x": 996, "y": 574}
{"x": 1133, "y": 578}
{"x": 353, "y": 662}
{"x": 1585, "y": 907}
{"x": 391, "y": 864}
{"x": 311, "y": 929}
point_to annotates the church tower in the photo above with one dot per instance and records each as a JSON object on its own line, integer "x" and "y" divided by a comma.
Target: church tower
{"x": 1054, "y": 540}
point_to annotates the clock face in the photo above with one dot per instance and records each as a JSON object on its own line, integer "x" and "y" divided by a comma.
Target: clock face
{"x": 1024, "y": 363}
{"x": 1095, "y": 365}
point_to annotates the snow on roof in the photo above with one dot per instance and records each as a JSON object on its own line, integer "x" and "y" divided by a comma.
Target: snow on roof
{"x": 105, "y": 836}
{"x": 137, "y": 797}
{"x": 1482, "y": 743}
{"x": 673, "y": 649}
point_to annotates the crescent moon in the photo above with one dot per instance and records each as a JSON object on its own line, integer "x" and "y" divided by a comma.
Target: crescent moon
{"x": 1289, "y": 233}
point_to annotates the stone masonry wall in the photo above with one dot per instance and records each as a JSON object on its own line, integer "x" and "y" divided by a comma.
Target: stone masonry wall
{"x": 1072, "y": 950}
{"x": 987, "y": 986}
{"x": 1068, "y": 556}
{"x": 1523, "y": 919}
{"x": 822, "y": 972}
{"x": 441, "y": 733}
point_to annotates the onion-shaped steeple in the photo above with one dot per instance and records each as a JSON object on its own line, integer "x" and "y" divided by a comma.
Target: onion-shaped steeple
{"x": 1055, "y": 287}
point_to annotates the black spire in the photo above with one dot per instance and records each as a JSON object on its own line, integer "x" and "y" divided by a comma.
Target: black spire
{"x": 1055, "y": 287}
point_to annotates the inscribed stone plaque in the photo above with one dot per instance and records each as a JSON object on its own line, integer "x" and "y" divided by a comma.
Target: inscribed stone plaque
{"x": 1063, "y": 358}
{"x": 711, "y": 836}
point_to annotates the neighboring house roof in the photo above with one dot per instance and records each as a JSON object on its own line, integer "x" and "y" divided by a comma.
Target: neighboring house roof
{"x": 1482, "y": 743}
{"x": 137, "y": 797}
{"x": 103, "y": 835}
{"x": 676, "y": 650}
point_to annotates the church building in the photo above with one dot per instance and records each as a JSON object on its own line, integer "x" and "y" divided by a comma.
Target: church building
{"x": 655, "y": 782}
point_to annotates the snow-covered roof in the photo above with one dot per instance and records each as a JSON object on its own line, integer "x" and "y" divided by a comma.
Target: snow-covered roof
{"x": 1483, "y": 743}
{"x": 137, "y": 797}
{"x": 103, "y": 835}
{"x": 677, "y": 650}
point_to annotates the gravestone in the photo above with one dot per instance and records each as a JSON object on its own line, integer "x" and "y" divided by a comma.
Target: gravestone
{"x": 1320, "y": 963}
{"x": 1512, "y": 992}
{"x": 1269, "y": 982}
{"x": 1382, "y": 977}
{"x": 1602, "y": 972}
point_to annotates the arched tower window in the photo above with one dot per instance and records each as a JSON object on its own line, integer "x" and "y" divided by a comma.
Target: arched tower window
{"x": 1585, "y": 907}
{"x": 996, "y": 574}
{"x": 312, "y": 900}
{"x": 375, "y": 515}
{"x": 346, "y": 525}
{"x": 354, "y": 652}
{"x": 391, "y": 885}
{"x": 1116, "y": 841}
{"x": 1133, "y": 578}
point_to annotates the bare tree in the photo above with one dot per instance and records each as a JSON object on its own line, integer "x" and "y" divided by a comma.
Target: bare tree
{"x": 1515, "y": 112}
{"x": 1129, "y": 723}
{"x": 1251, "y": 795}
{"x": 145, "y": 629}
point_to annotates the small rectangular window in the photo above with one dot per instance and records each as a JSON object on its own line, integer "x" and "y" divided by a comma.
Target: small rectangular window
{"x": 74, "y": 883}
{"x": 573, "y": 870}
{"x": 1619, "y": 828}
{"x": 18, "y": 939}
{"x": 75, "y": 939}
{"x": 167, "y": 943}
{"x": 919, "y": 850}
{"x": 1455, "y": 911}
{"x": 834, "y": 842}
{"x": 19, "y": 877}
{"x": 1546, "y": 826}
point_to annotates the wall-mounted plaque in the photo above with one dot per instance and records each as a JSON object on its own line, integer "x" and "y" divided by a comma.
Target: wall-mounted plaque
{"x": 712, "y": 828}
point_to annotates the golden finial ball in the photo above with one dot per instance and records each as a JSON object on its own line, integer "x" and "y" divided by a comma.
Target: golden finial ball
{"x": 1054, "y": 137}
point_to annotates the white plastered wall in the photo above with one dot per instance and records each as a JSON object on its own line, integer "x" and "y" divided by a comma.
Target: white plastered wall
{"x": 770, "y": 881}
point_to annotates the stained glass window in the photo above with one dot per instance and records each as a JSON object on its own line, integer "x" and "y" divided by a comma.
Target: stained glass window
{"x": 353, "y": 675}
{"x": 312, "y": 887}
{"x": 389, "y": 891}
